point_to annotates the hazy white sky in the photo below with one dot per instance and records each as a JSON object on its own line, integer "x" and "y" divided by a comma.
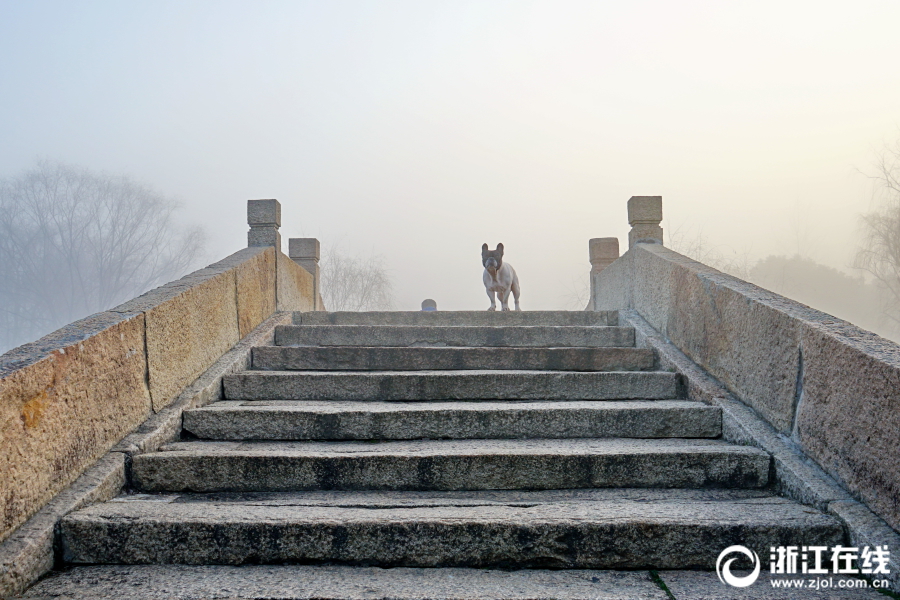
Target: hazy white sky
{"x": 419, "y": 130}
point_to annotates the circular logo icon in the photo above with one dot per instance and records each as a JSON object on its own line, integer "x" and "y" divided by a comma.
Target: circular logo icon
{"x": 724, "y": 570}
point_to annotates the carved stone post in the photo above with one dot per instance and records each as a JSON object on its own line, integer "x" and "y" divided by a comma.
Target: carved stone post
{"x": 644, "y": 216}
{"x": 264, "y": 219}
{"x": 305, "y": 252}
{"x": 603, "y": 252}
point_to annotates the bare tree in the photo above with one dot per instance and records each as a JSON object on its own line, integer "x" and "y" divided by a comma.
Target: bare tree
{"x": 73, "y": 243}
{"x": 355, "y": 284}
{"x": 879, "y": 253}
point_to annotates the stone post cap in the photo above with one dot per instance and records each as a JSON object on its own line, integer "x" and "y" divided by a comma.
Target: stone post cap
{"x": 603, "y": 249}
{"x": 264, "y": 213}
{"x": 307, "y": 248}
{"x": 644, "y": 209}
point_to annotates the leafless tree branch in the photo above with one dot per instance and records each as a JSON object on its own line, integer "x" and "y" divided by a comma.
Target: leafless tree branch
{"x": 73, "y": 243}
{"x": 355, "y": 284}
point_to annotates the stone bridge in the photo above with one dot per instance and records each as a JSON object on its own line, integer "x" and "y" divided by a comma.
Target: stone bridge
{"x": 223, "y": 437}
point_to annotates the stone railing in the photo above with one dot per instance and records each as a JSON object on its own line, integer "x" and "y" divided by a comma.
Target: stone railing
{"x": 70, "y": 397}
{"x": 828, "y": 389}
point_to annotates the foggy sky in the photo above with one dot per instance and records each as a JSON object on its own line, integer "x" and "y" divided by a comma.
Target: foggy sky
{"x": 419, "y": 130}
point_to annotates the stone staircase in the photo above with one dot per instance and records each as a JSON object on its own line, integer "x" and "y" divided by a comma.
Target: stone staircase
{"x": 533, "y": 440}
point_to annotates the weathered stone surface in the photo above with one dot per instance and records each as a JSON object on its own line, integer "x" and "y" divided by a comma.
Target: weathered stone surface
{"x": 28, "y": 553}
{"x": 264, "y": 213}
{"x": 187, "y": 331}
{"x": 363, "y": 358}
{"x": 644, "y": 209}
{"x": 377, "y": 335}
{"x": 264, "y": 236}
{"x": 705, "y": 585}
{"x": 746, "y": 337}
{"x": 830, "y": 385}
{"x": 796, "y": 476}
{"x": 165, "y": 426}
{"x": 296, "y": 286}
{"x": 849, "y": 413}
{"x": 64, "y": 401}
{"x": 864, "y": 528}
{"x": 303, "y": 248}
{"x": 450, "y": 465}
{"x": 578, "y": 529}
{"x": 300, "y": 582}
{"x": 460, "y": 317}
{"x": 255, "y": 280}
{"x": 335, "y": 420}
{"x": 602, "y": 252}
{"x": 450, "y": 385}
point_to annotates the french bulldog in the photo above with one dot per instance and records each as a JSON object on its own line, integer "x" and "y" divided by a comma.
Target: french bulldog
{"x": 499, "y": 278}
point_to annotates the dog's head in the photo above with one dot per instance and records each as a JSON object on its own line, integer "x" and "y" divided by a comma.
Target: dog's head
{"x": 492, "y": 259}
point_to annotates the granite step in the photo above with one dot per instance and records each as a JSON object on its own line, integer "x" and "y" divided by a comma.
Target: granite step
{"x": 450, "y": 465}
{"x": 346, "y": 420}
{"x": 309, "y": 582}
{"x": 366, "y": 358}
{"x": 451, "y": 385}
{"x": 515, "y": 336}
{"x": 461, "y": 317}
{"x": 582, "y": 529}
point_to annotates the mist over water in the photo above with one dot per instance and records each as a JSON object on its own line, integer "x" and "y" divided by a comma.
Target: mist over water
{"x": 417, "y": 131}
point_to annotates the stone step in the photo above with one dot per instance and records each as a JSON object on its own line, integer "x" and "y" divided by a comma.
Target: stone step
{"x": 583, "y": 529}
{"x": 450, "y": 385}
{"x": 343, "y": 420}
{"x": 450, "y": 465}
{"x": 307, "y": 582}
{"x": 460, "y": 317}
{"x": 362, "y": 358}
{"x": 382, "y": 335}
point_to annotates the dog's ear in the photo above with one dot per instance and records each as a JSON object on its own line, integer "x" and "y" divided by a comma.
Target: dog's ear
{"x": 500, "y": 248}
{"x": 484, "y": 248}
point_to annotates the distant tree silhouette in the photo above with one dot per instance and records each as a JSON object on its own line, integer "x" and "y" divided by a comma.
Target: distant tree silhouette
{"x": 879, "y": 254}
{"x": 73, "y": 243}
{"x": 823, "y": 288}
{"x": 355, "y": 284}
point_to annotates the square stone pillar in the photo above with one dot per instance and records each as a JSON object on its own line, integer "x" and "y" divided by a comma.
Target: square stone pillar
{"x": 603, "y": 251}
{"x": 644, "y": 216}
{"x": 305, "y": 252}
{"x": 264, "y": 219}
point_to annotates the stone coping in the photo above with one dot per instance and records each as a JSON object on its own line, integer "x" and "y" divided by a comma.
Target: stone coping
{"x": 28, "y": 553}
{"x": 69, "y": 397}
{"x": 829, "y": 388}
{"x": 796, "y": 476}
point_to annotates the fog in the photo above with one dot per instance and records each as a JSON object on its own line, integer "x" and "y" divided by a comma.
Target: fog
{"x": 419, "y": 130}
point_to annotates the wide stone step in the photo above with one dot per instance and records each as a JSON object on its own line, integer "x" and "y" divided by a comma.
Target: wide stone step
{"x": 343, "y": 420}
{"x": 380, "y": 335}
{"x": 461, "y": 317}
{"x": 450, "y": 385}
{"x": 361, "y": 358}
{"x": 450, "y": 465}
{"x": 587, "y": 529}
{"x": 307, "y": 582}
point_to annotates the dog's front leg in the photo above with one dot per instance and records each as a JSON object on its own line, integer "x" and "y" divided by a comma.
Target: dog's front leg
{"x": 490, "y": 294}
{"x": 493, "y": 302}
{"x": 504, "y": 299}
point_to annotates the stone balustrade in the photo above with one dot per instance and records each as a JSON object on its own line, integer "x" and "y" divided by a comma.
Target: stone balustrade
{"x": 69, "y": 397}
{"x": 826, "y": 387}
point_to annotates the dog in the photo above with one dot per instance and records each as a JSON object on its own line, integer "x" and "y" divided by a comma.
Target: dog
{"x": 499, "y": 278}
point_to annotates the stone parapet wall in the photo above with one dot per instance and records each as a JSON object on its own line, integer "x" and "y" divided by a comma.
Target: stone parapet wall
{"x": 829, "y": 386}
{"x": 69, "y": 397}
